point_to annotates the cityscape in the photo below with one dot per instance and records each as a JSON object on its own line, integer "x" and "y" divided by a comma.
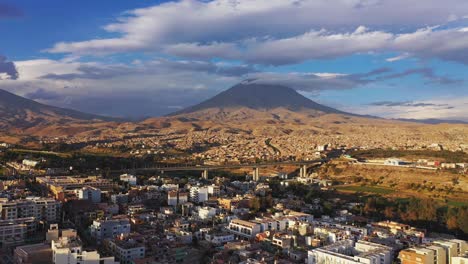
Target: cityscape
{"x": 233, "y": 131}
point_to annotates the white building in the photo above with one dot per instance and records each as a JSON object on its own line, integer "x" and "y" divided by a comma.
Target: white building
{"x": 453, "y": 248}
{"x": 110, "y": 228}
{"x": 322, "y": 147}
{"x": 30, "y": 163}
{"x": 68, "y": 250}
{"x": 219, "y": 238}
{"x": 244, "y": 229}
{"x": 169, "y": 187}
{"x": 350, "y": 252}
{"x": 270, "y": 224}
{"x": 42, "y": 209}
{"x": 131, "y": 179}
{"x": 214, "y": 190}
{"x": 394, "y": 162}
{"x": 198, "y": 194}
{"x": 172, "y": 198}
{"x": 90, "y": 193}
{"x": 126, "y": 250}
{"x": 460, "y": 260}
{"x": 206, "y": 213}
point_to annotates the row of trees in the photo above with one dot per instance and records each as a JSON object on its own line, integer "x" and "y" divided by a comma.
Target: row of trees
{"x": 424, "y": 213}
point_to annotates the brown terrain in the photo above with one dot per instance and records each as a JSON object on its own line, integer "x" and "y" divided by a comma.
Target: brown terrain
{"x": 232, "y": 122}
{"x": 398, "y": 182}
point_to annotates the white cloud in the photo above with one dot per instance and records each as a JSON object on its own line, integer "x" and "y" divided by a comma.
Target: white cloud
{"x": 317, "y": 45}
{"x": 449, "y": 108}
{"x": 282, "y": 31}
{"x": 398, "y": 58}
{"x": 146, "y": 89}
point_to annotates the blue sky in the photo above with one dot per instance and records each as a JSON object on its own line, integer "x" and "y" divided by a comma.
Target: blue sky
{"x": 146, "y": 58}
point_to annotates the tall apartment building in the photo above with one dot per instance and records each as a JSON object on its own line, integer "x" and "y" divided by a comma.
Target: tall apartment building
{"x": 42, "y": 209}
{"x": 453, "y": 247}
{"x": 198, "y": 194}
{"x": 350, "y": 252}
{"x": 110, "y": 228}
{"x": 438, "y": 252}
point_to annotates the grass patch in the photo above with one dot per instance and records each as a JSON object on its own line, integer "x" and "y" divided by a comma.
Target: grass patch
{"x": 366, "y": 189}
{"x": 448, "y": 156}
{"x": 457, "y": 203}
{"x": 41, "y": 152}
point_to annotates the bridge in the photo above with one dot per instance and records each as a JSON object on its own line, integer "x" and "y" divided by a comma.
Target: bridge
{"x": 303, "y": 165}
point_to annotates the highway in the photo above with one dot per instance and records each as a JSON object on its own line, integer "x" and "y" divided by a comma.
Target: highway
{"x": 220, "y": 167}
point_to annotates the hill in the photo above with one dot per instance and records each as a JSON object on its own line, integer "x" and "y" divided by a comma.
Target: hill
{"x": 19, "y": 114}
{"x": 261, "y": 97}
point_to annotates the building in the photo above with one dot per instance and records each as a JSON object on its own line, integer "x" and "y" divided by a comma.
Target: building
{"x": 460, "y": 260}
{"x": 130, "y": 179}
{"x": 393, "y": 227}
{"x": 30, "y": 163}
{"x": 175, "y": 198}
{"x": 61, "y": 185}
{"x": 14, "y": 232}
{"x": 453, "y": 248}
{"x": 219, "y": 238}
{"x": 244, "y": 229}
{"x": 110, "y": 228}
{"x": 438, "y": 252}
{"x": 282, "y": 240}
{"x": 198, "y": 194}
{"x": 119, "y": 198}
{"x": 394, "y": 162}
{"x": 350, "y": 252}
{"x": 126, "y": 250}
{"x": 214, "y": 190}
{"x": 172, "y": 198}
{"x": 92, "y": 194}
{"x": 33, "y": 254}
{"x": 417, "y": 255}
{"x": 270, "y": 224}
{"x": 206, "y": 213}
{"x": 42, "y": 209}
{"x": 322, "y": 147}
{"x": 68, "y": 250}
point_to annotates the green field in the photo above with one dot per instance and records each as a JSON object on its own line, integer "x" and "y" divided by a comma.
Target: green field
{"x": 448, "y": 156}
{"x": 41, "y": 152}
{"x": 366, "y": 189}
{"x": 457, "y": 203}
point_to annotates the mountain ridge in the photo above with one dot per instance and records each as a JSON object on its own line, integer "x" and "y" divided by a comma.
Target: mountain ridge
{"x": 22, "y": 113}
